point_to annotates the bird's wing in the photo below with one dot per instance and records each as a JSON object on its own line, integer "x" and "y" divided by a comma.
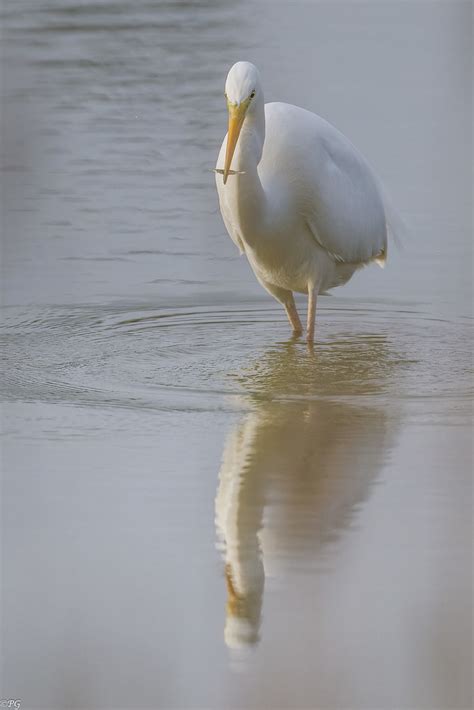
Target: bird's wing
{"x": 342, "y": 204}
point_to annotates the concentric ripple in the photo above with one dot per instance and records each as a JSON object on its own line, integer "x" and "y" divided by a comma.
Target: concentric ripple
{"x": 208, "y": 356}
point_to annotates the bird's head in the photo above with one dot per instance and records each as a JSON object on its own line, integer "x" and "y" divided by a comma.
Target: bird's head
{"x": 242, "y": 92}
{"x": 243, "y": 612}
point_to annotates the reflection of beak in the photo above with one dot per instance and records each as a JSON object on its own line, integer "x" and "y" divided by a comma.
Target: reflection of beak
{"x": 233, "y": 598}
{"x": 236, "y": 119}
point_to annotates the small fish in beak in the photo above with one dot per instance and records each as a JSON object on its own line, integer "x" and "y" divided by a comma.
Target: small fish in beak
{"x": 229, "y": 172}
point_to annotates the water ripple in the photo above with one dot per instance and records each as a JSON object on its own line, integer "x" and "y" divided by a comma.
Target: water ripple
{"x": 192, "y": 356}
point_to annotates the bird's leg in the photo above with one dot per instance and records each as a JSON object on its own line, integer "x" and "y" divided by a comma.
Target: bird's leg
{"x": 293, "y": 316}
{"x": 312, "y": 297}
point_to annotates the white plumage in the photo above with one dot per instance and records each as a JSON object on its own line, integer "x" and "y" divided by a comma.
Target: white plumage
{"x": 300, "y": 201}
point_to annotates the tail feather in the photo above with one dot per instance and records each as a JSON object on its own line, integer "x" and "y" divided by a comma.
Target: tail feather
{"x": 397, "y": 228}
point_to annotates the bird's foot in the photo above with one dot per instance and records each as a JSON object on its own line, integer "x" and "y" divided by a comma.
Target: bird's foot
{"x": 310, "y": 323}
{"x": 293, "y": 317}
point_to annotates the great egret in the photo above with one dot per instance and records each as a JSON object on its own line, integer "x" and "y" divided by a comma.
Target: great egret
{"x": 302, "y": 202}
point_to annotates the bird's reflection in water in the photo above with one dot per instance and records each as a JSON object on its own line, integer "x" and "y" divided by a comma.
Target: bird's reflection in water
{"x": 299, "y": 462}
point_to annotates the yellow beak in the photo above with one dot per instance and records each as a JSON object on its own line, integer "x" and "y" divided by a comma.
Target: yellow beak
{"x": 236, "y": 119}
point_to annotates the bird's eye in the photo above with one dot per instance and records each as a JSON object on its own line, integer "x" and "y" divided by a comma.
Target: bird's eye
{"x": 252, "y": 94}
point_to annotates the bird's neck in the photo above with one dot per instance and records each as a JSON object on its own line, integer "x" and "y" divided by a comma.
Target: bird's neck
{"x": 248, "y": 193}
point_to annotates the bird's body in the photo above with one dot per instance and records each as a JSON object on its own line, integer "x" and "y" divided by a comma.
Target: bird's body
{"x": 302, "y": 202}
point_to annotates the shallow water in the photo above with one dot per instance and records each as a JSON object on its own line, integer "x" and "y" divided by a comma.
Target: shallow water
{"x": 198, "y": 512}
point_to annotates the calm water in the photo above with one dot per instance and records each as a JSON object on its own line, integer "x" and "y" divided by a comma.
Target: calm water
{"x": 198, "y": 512}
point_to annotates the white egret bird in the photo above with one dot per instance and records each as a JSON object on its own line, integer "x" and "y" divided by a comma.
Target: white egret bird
{"x": 301, "y": 201}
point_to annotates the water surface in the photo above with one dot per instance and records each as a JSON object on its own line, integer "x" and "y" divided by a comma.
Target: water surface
{"x": 198, "y": 512}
